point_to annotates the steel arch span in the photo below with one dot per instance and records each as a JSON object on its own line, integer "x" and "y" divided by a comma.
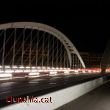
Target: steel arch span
{"x": 72, "y": 52}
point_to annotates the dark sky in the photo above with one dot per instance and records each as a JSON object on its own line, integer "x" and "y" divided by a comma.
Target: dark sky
{"x": 82, "y": 22}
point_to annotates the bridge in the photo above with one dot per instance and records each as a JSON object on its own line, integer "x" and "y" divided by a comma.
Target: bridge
{"x": 35, "y": 57}
{"x": 33, "y": 48}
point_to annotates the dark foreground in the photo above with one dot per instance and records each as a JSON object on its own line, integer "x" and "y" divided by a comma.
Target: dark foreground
{"x": 98, "y": 99}
{"x": 40, "y": 86}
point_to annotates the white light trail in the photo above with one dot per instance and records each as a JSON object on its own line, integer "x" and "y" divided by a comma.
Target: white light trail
{"x": 5, "y": 75}
{"x": 37, "y": 73}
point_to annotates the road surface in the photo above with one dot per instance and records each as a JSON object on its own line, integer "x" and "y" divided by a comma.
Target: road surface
{"x": 41, "y": 85}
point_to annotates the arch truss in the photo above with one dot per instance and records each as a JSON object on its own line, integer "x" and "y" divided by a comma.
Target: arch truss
{"x": 34, "y": 45}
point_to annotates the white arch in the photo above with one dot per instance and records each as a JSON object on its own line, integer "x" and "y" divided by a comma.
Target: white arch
{"x": 43, "y": 27}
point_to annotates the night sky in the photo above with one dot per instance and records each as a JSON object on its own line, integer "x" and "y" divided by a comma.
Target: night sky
{"x": 82, "y": 22}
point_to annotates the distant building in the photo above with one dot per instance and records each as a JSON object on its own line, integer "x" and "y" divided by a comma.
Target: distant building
{"x": 91, "y": 59}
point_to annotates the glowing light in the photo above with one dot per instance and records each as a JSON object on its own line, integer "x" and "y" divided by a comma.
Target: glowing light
{"x": 33, "y": 70}
{"x": 33, "y": 67}
{"x": 45, "y": 70}
{"x": 52, "y": 68}
{"x": 40, "y": 70}
{"x": 89, "y": 71}
{"x": 5, "y": 75}
{"x": 61, "y": 68}
{"x": 9, "y": 71}
{"x": 48, "y": 67}
{"x": 43, "y": 67}
{"x": 83, "y": 71}
{"x": 53, "y": 72}
{"x": 17, "y": 71}
{"x": 27, "y": 70}
{"x": 21, "y": 67}
{"x": 1, "y": 71}
{"x": 38, "y": 67}
{"x": 27, "y": 67}
{"x": 37, "y": 73}
{"x": 66, "y": 72}
{"x": 14, "y": 67}
{"x": 7, "y": 66}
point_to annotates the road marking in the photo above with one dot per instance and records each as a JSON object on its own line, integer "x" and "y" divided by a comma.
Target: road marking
{"x": 7, "y": 83}
{"x": 33, "y": 82}
{"x": 4, "y": 92}
{"x": 37, "y": 80}
{"x": 55, "y": 78}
